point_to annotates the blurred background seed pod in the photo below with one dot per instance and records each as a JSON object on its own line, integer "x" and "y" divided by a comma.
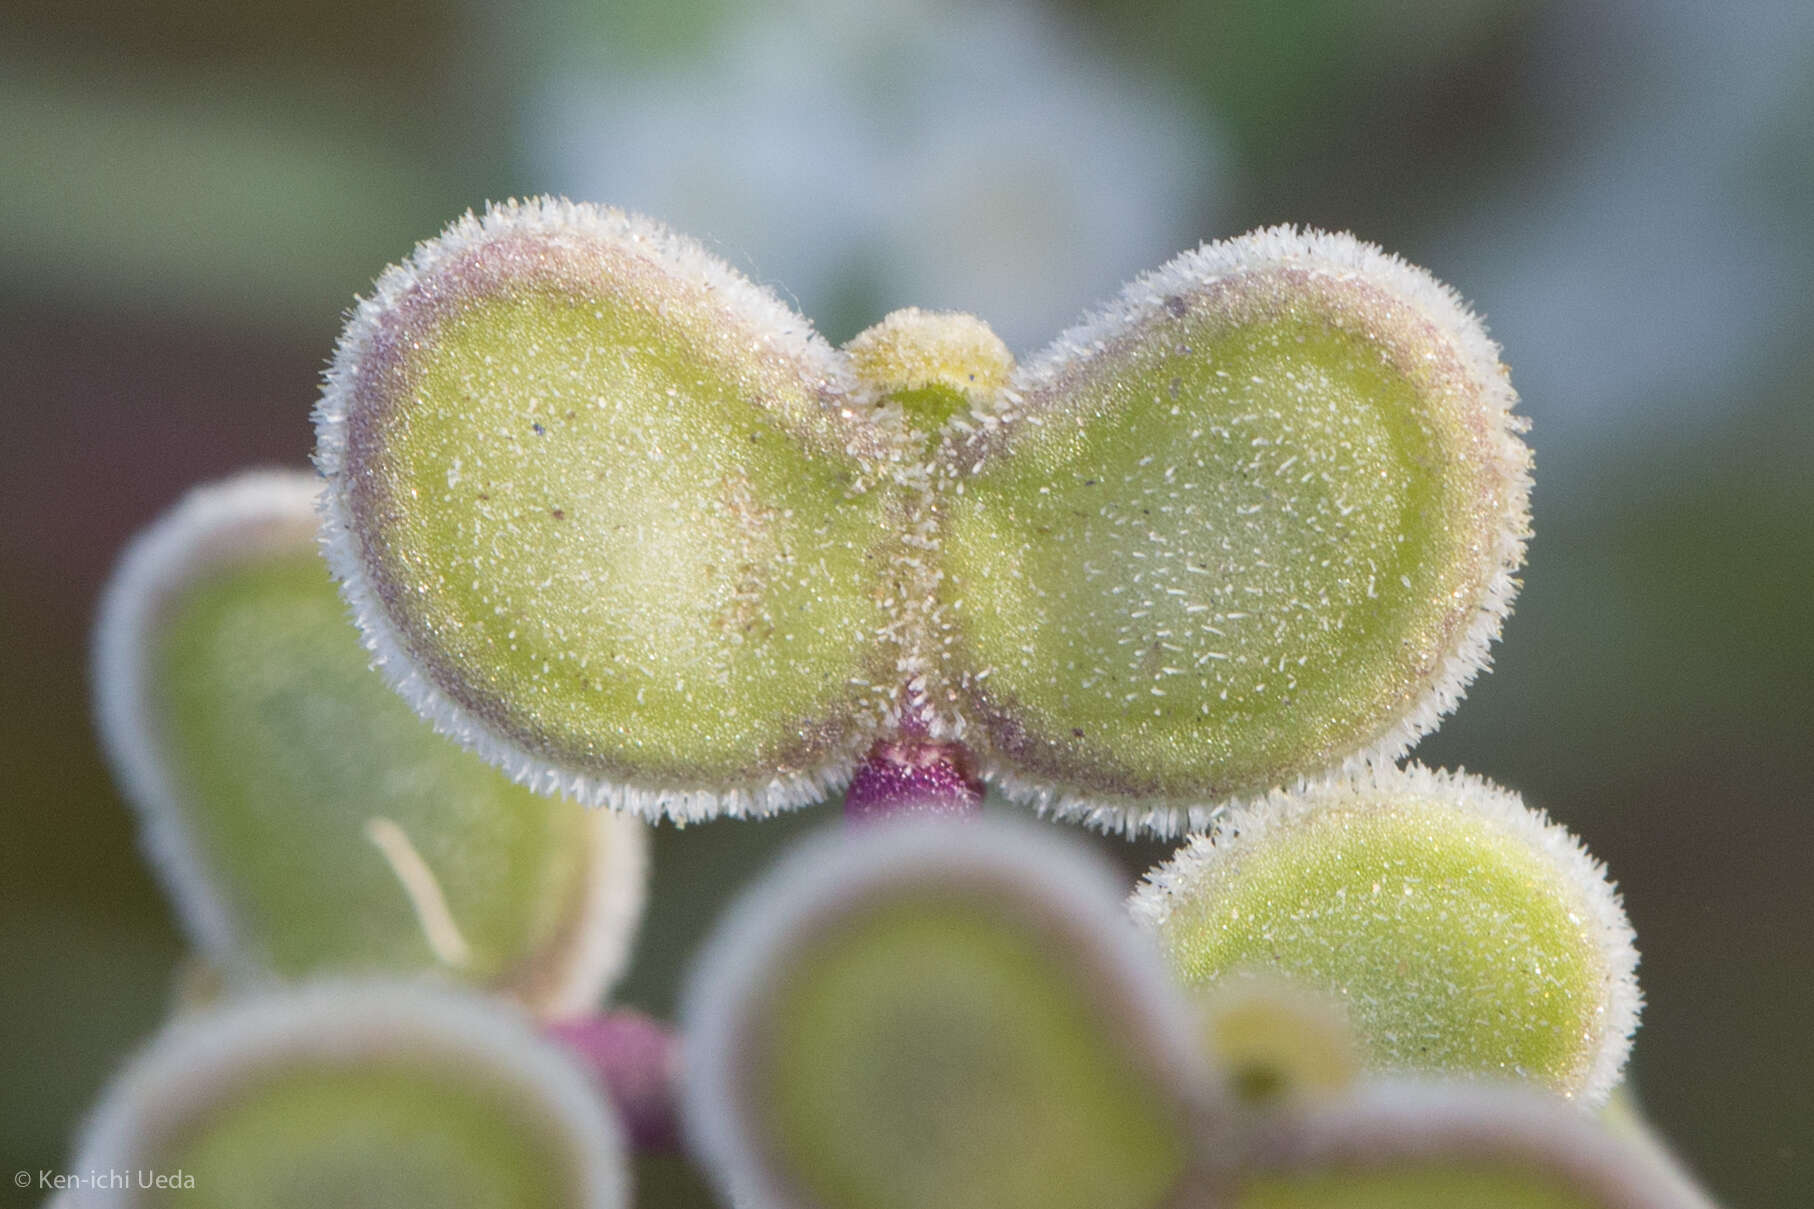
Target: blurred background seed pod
{"x": 944, "y": 1013}
{"x": 352, "y": 1093}
{"x": 1434, "y": 1146}
{"x": 302, "y": 820}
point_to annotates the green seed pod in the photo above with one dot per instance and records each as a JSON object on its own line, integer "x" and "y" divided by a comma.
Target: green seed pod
{"x": 301, "y": 817}
{"x": 356, "y": 1095}
{"x": 1255, "y": 522}
{"x": 609, "y": 514}
{"x": 921, "y": 1014}
{"x": 1464, "y": 933}
{"x": 1404, "y": 1146}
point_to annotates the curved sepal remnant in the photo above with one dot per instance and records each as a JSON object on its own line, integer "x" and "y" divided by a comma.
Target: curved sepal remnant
{"x": 302, "y": 818}
{"x": 1463, "y": 933}
{"x": 607, "y": 513}
{"x": 1255, "y": 521}
{"x": 943, "y": 1014}
{"x": 357, "y": 1094}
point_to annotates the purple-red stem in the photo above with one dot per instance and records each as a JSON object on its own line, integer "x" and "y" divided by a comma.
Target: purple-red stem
{"x": 634, "y": 1057}
{"x": 913, "y": 776}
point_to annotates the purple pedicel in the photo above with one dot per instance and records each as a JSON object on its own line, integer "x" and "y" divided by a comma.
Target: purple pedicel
{"x": 632, "y": 1056}
{"x": 913, "y": 777}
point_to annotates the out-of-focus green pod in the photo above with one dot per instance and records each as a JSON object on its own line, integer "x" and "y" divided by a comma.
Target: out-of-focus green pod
{"x": 1278, "y": 1043}
{"x": 302, "y": 818}
{"x": 613, "y": 516}
{"x": 1254, "y": 522}
{"x": 1409, "y": 1146}
{"x": 355, "y": 1095}
{"x": 1624, "y": 1117}
{"x": 1462, "y": 932}
{"x": 922, "y": 1014}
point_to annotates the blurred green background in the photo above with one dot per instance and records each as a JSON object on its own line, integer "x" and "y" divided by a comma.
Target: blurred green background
{"x": 192, "y": 192}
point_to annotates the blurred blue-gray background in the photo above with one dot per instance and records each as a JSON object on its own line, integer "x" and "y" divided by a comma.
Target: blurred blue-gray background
{"x": 191, "y": 193}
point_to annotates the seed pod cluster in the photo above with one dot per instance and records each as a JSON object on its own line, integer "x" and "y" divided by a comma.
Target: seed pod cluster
{"x": 617, "y": 519}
